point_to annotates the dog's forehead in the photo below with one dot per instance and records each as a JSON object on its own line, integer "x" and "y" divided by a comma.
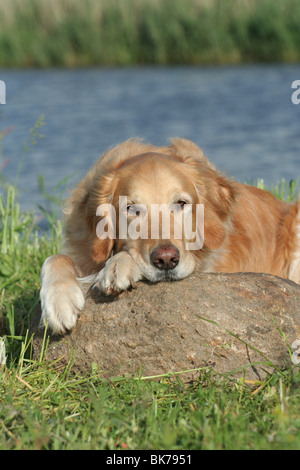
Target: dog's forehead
{"x": 149, "y": 160}
{"x": 152, "y": 176}
{"x": 152, "y": 171}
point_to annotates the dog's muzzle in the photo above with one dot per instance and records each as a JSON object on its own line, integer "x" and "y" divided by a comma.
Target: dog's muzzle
{"x": 165, "y": 257}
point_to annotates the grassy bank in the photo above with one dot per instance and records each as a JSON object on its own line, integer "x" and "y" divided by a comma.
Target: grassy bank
{"x": 46, "y": 33}
{"x": 43, "y": 408}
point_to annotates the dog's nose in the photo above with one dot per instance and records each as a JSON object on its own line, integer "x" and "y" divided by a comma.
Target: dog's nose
{"x": 165, "y": 257}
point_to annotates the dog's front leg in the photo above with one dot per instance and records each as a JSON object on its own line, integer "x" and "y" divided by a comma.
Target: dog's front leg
{"x": 61, "y": 296}
{"x": 119, "y": 273}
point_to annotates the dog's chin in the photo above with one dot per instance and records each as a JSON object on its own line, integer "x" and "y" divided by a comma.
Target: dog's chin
{"x": 162, "y": 276}
{"x": 155, "y": 275}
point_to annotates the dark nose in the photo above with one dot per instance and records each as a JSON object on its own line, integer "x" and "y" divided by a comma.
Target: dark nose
{"x": 165, "y": 257}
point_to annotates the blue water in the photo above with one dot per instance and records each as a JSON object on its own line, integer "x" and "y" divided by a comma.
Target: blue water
{"x": 242, "y": 117}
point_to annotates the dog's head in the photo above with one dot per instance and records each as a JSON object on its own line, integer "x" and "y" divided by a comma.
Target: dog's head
{"x": 170, "y": 211}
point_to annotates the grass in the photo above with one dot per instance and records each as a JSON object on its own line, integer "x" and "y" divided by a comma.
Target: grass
{"x": 40, "y": 33}
{"x": 42, "y": 408}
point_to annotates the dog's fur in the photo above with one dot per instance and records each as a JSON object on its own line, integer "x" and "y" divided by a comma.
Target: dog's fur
{"x": 245, "y": 229}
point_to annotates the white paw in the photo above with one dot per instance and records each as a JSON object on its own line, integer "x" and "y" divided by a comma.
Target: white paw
{"x": 119, "y": 273}
{"x": 61, "y": 303}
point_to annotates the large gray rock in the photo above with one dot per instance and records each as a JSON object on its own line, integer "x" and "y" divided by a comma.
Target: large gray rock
{"x": 222, "y": 321}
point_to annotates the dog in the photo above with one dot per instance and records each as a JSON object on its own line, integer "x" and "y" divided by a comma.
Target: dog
{"x": 243, "y": 229}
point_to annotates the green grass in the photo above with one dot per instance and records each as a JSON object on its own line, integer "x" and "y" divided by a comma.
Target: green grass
{"x": 42, "y": 408}
{"x": 129, "y": 32}
{"x": 45, "y": 408}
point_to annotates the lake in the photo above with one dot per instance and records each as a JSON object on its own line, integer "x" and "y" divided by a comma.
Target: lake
{"x": 241, "y": 116}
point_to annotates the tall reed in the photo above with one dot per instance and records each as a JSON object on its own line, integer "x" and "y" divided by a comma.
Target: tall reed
{"x": 112, "y": 32}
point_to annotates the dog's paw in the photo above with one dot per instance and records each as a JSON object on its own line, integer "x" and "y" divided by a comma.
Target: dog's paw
{"x": 119, "y": 274}
{"x": 61, "y": 303}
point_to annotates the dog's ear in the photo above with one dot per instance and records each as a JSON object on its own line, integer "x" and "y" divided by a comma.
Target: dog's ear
{"x": 188, "y": 152}
{"x": 214, "y": 230}
{"x": 100, "y": 218}
{"x": 222, "y": 193}
{"x": 101, "y": 249}
{"x": 218, "y": 195}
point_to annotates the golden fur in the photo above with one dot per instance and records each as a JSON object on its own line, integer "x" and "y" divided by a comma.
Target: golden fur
{"x": 245, "y": 229}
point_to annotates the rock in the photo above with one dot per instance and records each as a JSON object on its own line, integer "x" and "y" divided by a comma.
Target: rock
{"x": 222, "y": 321}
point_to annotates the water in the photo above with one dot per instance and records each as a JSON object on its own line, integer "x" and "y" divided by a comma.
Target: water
{"x": 242, "y": 117}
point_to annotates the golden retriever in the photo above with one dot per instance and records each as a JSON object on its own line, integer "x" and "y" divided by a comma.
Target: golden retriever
{"x": 243, "y": 229}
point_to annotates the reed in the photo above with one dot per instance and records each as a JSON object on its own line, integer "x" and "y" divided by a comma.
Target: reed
{"x": 135, "y": 32}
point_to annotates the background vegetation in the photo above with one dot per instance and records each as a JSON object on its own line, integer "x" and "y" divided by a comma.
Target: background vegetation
{"x": 44, "y": 33}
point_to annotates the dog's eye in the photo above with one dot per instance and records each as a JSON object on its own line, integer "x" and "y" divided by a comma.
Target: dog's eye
{"x": 133, "y": 209}
{"x": 178, "y": 206}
